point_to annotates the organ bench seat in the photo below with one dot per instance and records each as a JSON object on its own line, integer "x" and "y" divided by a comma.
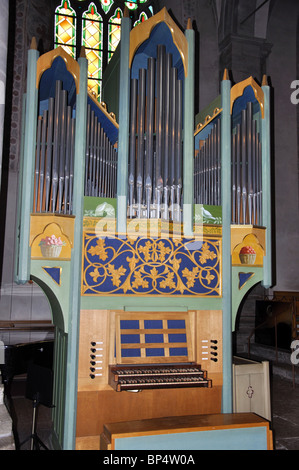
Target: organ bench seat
{"x": 237, "y": 431}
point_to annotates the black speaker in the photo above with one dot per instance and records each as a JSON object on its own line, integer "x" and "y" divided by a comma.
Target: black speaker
{"x": 39, "y": 384}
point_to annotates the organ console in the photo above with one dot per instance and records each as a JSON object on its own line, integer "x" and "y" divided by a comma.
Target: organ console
{"x": 137, "y": 230}
{"x": 138, "y": 378}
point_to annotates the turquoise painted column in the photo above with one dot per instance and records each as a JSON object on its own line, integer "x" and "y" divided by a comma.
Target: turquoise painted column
{"x": 188, "y": 153}
{"x": 26, "y": 199}
{"x": 19, "y": 195}
{"x": 76, "y": 259}
{"x": 123, "y": 136}
{"x": 266, "y": 185}
{"x": 226, "y": 244}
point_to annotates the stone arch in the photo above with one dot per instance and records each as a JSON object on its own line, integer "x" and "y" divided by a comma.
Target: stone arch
{"x": 245, "y": 317}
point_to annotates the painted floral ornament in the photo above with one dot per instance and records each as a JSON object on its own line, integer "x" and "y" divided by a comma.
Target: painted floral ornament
{"x": 247, "y": 255}
{"x": 51, "y": 246}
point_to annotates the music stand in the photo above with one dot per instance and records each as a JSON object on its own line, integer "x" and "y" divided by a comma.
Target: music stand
{"x": 39, "y": 390}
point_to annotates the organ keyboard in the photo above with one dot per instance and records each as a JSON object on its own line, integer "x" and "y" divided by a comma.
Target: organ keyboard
{"x": 157, "y": 376}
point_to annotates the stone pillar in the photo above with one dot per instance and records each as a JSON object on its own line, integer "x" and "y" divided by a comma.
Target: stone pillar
{"x": 244, "y": 56}
{"x": 3, "y": 59}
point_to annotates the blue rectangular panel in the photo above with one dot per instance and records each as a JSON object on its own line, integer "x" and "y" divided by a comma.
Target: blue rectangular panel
{"x": 254, "y": 438}
{"x": 127, "y": 339}
{"x": 178, "y": 352}
{"x": 129, "y": 324}
{"x": 153, "y": 324}
{"x": 154, "y": 338}
{"x": 130, "y": 353}
{"x": 176, "y": 324}
{"x": 155, "y": 352}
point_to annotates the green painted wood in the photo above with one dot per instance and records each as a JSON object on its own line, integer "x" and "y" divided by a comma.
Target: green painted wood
{"x": 157, "y": 303}
{"x": 208, "y": 110}
{"x": 111, "y": 84}
{"x": 226, "y": 246}
{"x": 28, "y": 167}
{"x": 75, "y": 269}
{"x": 266, "y": 185}
{"x": 59, "y": 385}
{"x": 123, "y": 137}
{"x": 59, "y": 302}
{"x": 239, "y": 294}
{"x": 251, "y": 438}
{"x": 188, "y": 146}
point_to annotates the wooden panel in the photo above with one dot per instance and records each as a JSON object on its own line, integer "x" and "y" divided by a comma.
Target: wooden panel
{"x": 94, "y": 409}
{"x": 209, "y": 341}
{"x": 94, "y": 328}
{"x": 251, "y": 387}
{"x": 184, "y": 423}
{"x": 90, "y": 443}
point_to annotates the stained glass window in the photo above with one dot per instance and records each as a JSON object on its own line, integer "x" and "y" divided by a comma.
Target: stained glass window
{"x": 114, "y": 32}
{"x": 106, "y": 4}
{"x": 92, "y": 40}
{"x": 97, "y": 26}
{"x": 141, "y": 18}
{"x": 65, "y": 27}
{"x": 134, "y": 5}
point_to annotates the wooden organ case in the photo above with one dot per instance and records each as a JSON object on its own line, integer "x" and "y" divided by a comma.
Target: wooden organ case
{"x": 159, "y": 229}
{"x": 175, "y": 368}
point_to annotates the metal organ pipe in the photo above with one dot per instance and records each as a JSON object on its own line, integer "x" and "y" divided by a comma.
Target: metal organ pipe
{"x": 207, "y": 166}
{"x": 246, "y": 170}
{"x": 246, "y": 189}
{"x": 43, "y": 158}
{"x": 172, "y": 138}
{"x": 54, "y": 154}
{"x": 51, "y": 106}
{"x": 149, "y": 149}
{"x": 101, "y": 160}
{"x": 67, "y": 160}
{"x": 168, "y": 66}
{"x": 178, "y": 156}
{"x": 238, "y": 173}
{"x": 132, "y": 154}
{"x": 56, "y": 145}
{"x": 159, "y": 128}
{"x": 61, "y": 158}
{"x": 54, "y": 163}
{"x": 37, "y": 158}
{"x": 155, "y": 163}
{"x": 140, "y": 139}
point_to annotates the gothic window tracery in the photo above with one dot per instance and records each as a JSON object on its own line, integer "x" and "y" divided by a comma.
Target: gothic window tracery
{"x": 96, "y": 26}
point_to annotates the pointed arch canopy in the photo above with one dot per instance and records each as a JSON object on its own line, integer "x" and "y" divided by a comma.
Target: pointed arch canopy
{"x": 141, "y": 33}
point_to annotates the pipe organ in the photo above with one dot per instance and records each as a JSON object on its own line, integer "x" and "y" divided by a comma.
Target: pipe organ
{"x": 207, "y": 169}
{"x": 246, "y": 170}
{"x": 144, "y": 314}
{"x": 155, "y": 165}
{"x": 54, "y": 162}
{"x": 100, "y": 161}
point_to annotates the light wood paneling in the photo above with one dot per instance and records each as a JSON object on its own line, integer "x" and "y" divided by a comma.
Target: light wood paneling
{"x": 209, "y": 341}
{"x": 94, "y": 409}
{"x": 94, "y": 328}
